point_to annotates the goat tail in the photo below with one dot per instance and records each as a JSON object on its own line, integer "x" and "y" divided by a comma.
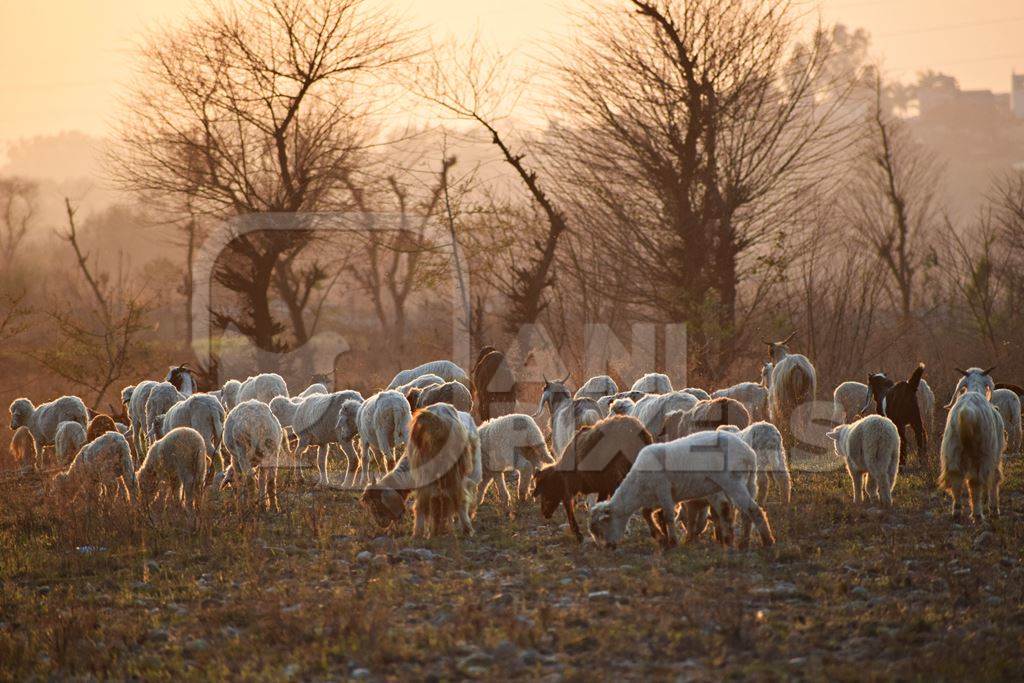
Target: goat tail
{"x": 915, "y": 379}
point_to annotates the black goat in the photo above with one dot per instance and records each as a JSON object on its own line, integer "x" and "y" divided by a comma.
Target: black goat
{"x": 898, "y": 402}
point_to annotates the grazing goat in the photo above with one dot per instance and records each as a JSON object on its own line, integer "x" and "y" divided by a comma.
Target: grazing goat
{"x": 104, "y": 462}
{"x": 566, "y": 414}
{"x": 898, "y": 402}
{"x": 177, "y": 461}
{"x": 345, "y": 432}
{"x": 653, "y": 383}
{"x": 597, "y": 387}
{"x": 252, "y": 439}
{"x": 705, "y": 416}
{"x": 772, "y": 465}
{"x": 871, "y": 448}
{"x": 441, "y": 456}
{"x": 70, "y": 438}
{"x": 385, "y": 498}
{"x": 511, "y": 442}
{"x": 793, "y": 386}
{"x": 494, "y": 385}
{"x": 162, "y": 397}
{"x": 315, "y": 423}
{"x": 23, "y": 450}
{"x": 697, "y": 393}
{"x": 972, "y": 444}
{"x": 595, "y": 461}
{"x": 44, "y": 419}
{"x": 452, "y": 393}
{"x": 652, "y": 409}
{"x": 1015, "y": 388}
{"x": 1008, "y": 405}
{"x": 204, "y": 414}
{"x": 445, "y": 369}
{"x": 693, "y": 468}
{"x": 229, "y": 393}
{"x": 752, "y": 395}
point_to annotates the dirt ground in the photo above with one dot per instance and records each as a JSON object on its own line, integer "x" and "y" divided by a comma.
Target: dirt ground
{"x": 317, "y": 592}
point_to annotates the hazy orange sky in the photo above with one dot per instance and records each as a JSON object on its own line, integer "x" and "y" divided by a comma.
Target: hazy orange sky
{"x": 62, "y": 62}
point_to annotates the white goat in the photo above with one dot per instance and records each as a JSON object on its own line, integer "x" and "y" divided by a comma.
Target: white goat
{"x": 263, "y": 387}
{"x": 653, "y": 383}
{"x": 692, "y": 468}
{"x": 752, "y": 395}
{"x": 794, "y": 385}
{"x": 252, "y": 439}
{"x": 70, "y": 438}
{"x": 566, "y": 413}
{"x": 848, "y": 400}
{"x": 871, "y": 448}
{"x": 162, "y": 397}
{"x": 1008, "y": 405}
{"x": 445, "y": 369}
{"x": 597, "y": 387}
{"x": 100, "y": 464}
{"x": 772, "y": 465}
{"x": 511, "y": 442}
{"x": 315, "y": 423}
{"x": 652, "y": 409}
{"x": 383, "y": 422}
{"x": 177, "y": 461}
{"x": 44, "y": 419}
{"x": 204, "y": 414}
{"x": 972, "y": 445}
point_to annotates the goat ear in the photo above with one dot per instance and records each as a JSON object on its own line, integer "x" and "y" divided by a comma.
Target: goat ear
{"x": 832, "y": 434}
{"x": 989, "y": 370}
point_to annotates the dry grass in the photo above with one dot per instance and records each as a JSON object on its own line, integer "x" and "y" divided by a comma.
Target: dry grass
{"x": 845, "y": 594}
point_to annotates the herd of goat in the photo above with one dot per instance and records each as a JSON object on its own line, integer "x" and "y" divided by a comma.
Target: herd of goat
{"x": 438, "y": 437}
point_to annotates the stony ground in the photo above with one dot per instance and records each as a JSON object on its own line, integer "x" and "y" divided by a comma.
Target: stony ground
{"x": 316, "y": 592}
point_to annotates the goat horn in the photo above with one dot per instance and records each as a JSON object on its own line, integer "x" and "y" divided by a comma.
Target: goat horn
{"x": 962, "y": 372}
{"x": 566, "y": 378}
{"x": 791, "y": 335}
{"x": 546, "y": 382}
{"x": 989, "y": 370}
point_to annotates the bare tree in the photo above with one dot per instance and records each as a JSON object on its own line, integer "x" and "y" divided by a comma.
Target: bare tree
{"x": 259, "y": 107}
{"x": 892, "y": 198}
{"x": 18, "y": 199}
{"x": 470, "y": 83}
{"x": 689, "y": 129}
{"x": 98, "y": 333}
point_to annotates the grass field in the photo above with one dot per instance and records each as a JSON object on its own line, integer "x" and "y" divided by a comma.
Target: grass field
{"x": 316, "y": 592}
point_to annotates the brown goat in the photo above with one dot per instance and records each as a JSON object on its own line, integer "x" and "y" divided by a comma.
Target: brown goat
{"x": 494, "y": 385}
{"x": 23, "y": 451}
{"x": 98, "y": 426}
{"x": 440, "y": 456}
{"x": 595, "y": 461}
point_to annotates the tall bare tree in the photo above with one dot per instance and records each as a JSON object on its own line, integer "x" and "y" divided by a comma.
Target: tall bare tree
{"x": 99, "y": 330}
{"x": 474, "y": 85}
{"x": 892, "y": 198}
{"x": 686, "y": 132}
{"x": 259, "y": 107}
